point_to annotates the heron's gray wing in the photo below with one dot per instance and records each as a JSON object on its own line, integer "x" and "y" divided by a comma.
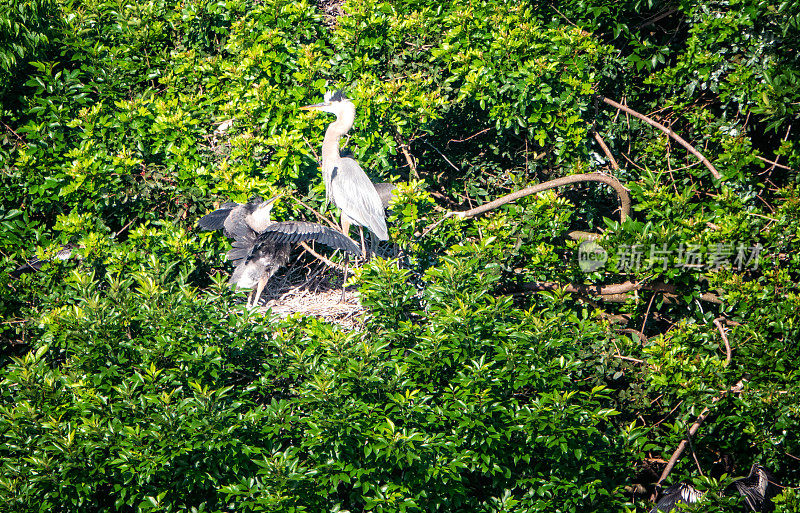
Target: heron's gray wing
{"x": 216, "y": 219}
{"x": 385, "y": 191}
{"x": 354, "y": 193}
{"x": 302, "y": 231}
{"x": 242, "y": 246}
{"x": 679, "y": 493}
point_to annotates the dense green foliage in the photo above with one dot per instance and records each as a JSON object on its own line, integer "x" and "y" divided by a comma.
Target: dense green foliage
{"x": 130, "y": 379}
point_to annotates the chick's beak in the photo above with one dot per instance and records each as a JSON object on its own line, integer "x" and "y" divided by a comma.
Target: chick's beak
{"x": 315, "y": 106}
{"x": 273, "y": 199}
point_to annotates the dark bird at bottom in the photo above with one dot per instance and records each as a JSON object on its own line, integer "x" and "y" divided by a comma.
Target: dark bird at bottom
{"x": 257, "y": 254}
{"x": 679, "y": 493}
{"x": 758, "y": 489}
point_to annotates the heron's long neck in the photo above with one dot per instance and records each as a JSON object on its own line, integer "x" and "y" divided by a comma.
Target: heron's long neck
{"x": 335, "y": 131}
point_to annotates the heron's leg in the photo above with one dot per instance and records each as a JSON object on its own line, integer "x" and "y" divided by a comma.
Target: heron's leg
{"x": 344, "y": 279}
{"x": 250, "y": 297}
{"x": 363, "y": 248}
{"x": 345, "y": 225}
{"x": 373, "y": 243}
{"x": 261, "y": 284}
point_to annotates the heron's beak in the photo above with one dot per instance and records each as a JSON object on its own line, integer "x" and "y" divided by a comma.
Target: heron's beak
{"x": 315, "y": 106}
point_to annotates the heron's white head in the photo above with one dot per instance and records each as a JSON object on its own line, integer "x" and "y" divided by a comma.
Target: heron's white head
{"x": 335, "y": 102}
{"x": 259, "y": 218}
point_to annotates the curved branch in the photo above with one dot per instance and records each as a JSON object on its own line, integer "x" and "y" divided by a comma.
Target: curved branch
{"x": 718, "y": 324}
{"x": 622, "y": 193}
{"x": 667, "y": 131}
{"x": 618, "y": 292}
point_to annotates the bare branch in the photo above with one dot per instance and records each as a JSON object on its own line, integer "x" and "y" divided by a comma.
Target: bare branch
{"x": 721, "y": 329}
{"x": 324, "y": 260}
{"x": 667, "y": 131}
{"x": 622, "y": 193}
{"x": 616, "y": 293}
{"x": 759, "y": 157}
{"x": 470, "y": 137}
{"x": 605, "y": 149}
{"x": 679, "y": 451}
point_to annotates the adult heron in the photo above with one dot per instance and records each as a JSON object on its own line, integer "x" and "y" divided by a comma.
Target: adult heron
{"x": 346, "y": 184}
{"x": 262, "y": 246}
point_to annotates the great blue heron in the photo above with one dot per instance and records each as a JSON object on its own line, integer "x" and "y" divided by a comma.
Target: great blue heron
{"x": 346, "y": 184}
{"x": 262, "y": 246}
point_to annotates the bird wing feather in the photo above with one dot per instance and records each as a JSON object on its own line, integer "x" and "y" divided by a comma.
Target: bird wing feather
{"x": 357, "y": 197}
{"x": 216, "y": 220}
{"x": 679, "y": 493}
{"x": 242, "y": 247}
{"x": 301, "y": 231}
{"x": 757, "y": 488}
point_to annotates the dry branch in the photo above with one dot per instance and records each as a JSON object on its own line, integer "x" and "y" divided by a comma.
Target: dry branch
{"x": 721, "y": 329}
{"x": 693, "y": 429}
{"x": 622, "y": 193}
{"x": 324, "y": 260}
{"x": 667, "y": 131}
{"x": 773, "y": 163}
{"x": 681, "y": 446}
{"x": 605, "y": 149}
{"x": 618, "y": 292}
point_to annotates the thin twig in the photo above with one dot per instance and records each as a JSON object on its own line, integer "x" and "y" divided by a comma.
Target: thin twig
{"x": 668, "y": 414}
{"x": 13, "y": 132}
{"x": 440, "y": 153}
{"x": 667, "y": 131}
{"x": 647, "y": 312}
{"x": 694, "y": 455}
{"x": 316, "y": 157}
{"x": 759, "y": 157}
{"x": 322, "y": 259}
{"x": 409, "y": 159}
{"x": 641, "y": 336}
{"x": 470, "y": 137}
{"x": 718, "y": 324}
{"x": 628, "y": 358}
{"x": 122, "y": 229}
{"x": 437, "y": 223}
{"x": 319, "y": 216}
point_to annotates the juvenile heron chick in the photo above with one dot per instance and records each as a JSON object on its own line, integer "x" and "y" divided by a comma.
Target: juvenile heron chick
{"x": 231, "y": 217}
{"x": 257, "y": 254}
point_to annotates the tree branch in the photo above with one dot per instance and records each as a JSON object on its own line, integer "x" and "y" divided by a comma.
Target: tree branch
{"x": 622, "y": 193}
{"x": 605, "y": 149}
{"x": 618, "y": 292}
{"x": 718, "y": 324}
{"x": 667, "y": 131}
